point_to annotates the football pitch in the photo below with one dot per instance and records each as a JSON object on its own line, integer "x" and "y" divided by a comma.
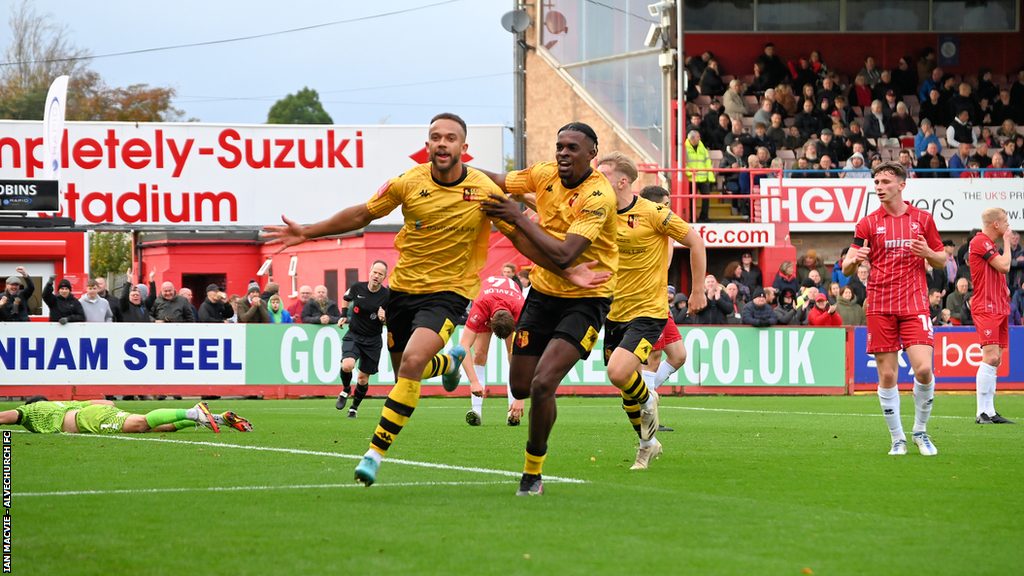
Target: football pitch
{"x": 747, "y": 485}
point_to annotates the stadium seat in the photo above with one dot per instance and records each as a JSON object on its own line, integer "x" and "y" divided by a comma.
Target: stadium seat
{"x": 748, "y": 79}
{"x": 752, "y": 102}
{"x": 789, "y": 121}
{"x": 703, "y": 100}
{"x": 727, "y": 78}
{"x": 948, "y": 153}
{"x": 911, "y": 100}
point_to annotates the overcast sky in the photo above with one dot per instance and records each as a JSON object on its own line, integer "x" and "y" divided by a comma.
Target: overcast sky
{"x": 400, "y": 69}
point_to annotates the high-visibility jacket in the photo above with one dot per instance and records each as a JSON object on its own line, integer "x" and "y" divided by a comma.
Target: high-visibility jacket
{"x": 699, "y": 158}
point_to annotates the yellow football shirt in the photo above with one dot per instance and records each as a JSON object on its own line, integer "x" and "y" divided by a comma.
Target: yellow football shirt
{"x": 643, "y": 260}
{"x": 443, "y": 244}
{"x": 587, "y": 210}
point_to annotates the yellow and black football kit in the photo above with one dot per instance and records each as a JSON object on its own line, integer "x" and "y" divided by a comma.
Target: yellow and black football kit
{"x": 442, "y": 247}
{"x": 642, "y": 276}
{"x": 556, "y": 308}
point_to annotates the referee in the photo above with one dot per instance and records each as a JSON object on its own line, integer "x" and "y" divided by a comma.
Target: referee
{"x": 363, "y": 311}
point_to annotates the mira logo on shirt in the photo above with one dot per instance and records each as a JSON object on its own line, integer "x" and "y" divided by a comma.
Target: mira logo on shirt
{"x": 901, "y": 243}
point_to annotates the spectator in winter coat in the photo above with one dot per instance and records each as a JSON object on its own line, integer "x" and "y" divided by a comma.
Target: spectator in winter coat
{"x": 823, "y": 314}
{"x": 132, "y": 308}
{"x": 14, "y": 299}
{"x": 786, "y": 278}
{"x": 168, "y": 306}
{"x": 211, "y": 311}
{"x": 278, "y": 315}
{"x": 680, "y": 313}
{"x": 809, "y": 262}
{"x": 719, "y": 305}
{"x": 251, "y": 308}
{"x": 848, "y": 309}
{"x": 321, "y": 309}
{"x": 751, "y": 275}
{"x": 785, "y": 311}
{"x": 295, "y": 309}
{"x": 758, "y": 312}
{"x": 64, "y": 307}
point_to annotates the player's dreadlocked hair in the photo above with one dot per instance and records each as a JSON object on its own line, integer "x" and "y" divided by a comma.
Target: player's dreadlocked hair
{"x": 582, "y": 129}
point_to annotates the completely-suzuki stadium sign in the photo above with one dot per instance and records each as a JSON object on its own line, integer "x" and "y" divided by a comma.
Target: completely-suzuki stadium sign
{"x": 834, "y": 205}
{"x": 189, "y": 174}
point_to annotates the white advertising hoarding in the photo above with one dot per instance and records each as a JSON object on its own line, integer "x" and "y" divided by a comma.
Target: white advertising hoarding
{"x": 833, "y": 205}
{"x": 192, "y": 175}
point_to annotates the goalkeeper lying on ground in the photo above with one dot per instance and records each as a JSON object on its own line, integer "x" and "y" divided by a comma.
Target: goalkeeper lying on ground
{"x": 102, "y": 417}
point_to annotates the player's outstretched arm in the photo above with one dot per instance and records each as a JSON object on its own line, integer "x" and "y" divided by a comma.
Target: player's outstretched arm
{"x": 561, "y": 253}
{"x": 581, "y": 275}
{"x": 698, "y": 270}
{"x": 293, "y": 233}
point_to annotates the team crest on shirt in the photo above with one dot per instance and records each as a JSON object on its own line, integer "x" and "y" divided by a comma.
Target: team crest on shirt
{"x": 468, "y": 194}
{"x": 988, "y": 333}
{"x": 571, "y": 200}
{"x": 523, "y": 338}
{"x": 632, "y": 220}
{"x": 915, "y": 228}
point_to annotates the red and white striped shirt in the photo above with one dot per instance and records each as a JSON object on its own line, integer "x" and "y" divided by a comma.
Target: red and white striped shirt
{"x": 897, "y": 285}
{"x": 991, "y": 294}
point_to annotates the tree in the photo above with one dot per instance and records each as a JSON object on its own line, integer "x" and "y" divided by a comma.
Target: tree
{"x": 40, "y": 51}
{"x": 109, "y": 252}
{"x": 303, "y": 107}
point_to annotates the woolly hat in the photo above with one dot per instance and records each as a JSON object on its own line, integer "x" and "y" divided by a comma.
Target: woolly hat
{"x": 758, "y": 293}
{"x": 64, "y": 283}
{"x": 807, "y": 283}
{"x": 254, "y": 287}
{"x": 143, "y": 289}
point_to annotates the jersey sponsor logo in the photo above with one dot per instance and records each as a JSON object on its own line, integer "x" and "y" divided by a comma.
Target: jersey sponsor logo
{"x": 600, "y": 213}
{"x": 902, "y": 243}
{"x": 384, "y": 189}
{"x": 631, "y": 220}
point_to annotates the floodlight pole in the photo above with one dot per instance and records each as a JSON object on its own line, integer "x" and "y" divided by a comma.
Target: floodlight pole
{"x": 519, "y": 97}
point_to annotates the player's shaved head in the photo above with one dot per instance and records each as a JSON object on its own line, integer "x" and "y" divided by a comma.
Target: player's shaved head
{"x": 502, "y": 324}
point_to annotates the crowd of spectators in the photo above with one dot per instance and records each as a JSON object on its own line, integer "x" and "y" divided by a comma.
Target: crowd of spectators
{"x": 806, "y": 293}
{"x": 915, "y": 113}
{"x": 142, "y": 303}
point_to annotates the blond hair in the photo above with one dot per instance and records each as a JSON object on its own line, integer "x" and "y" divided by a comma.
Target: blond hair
{"x": 622, "y": 164}
{"x": 993, "y": 214}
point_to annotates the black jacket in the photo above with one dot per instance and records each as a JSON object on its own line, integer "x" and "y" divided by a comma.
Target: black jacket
{"x": 61, "y": 307}
{"x": 212, "y": 312}
{"x": 130, "y": 312}
{"x": 716, "y": 312}
{"x": 115, "y": 304}
{"x": 7, "y": 312}
{"x": 311, "y": 312}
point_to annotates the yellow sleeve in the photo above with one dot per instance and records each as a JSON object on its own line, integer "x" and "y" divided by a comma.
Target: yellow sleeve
{"x": 669, "y": 224}
{"x": 387, "y": 198}
{"x": 591, "y": 216}
{"x": 525, "y": 181}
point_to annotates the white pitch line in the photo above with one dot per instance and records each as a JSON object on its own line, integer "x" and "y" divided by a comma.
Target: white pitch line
{"x": 331, "y": 455}
{"x": 247, "y": 488}
{"x": 796, "y": 413}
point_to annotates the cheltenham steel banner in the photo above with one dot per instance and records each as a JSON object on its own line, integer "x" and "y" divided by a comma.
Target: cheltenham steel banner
{"x": 835, "y": 205}
{"x": 189, "y": 175}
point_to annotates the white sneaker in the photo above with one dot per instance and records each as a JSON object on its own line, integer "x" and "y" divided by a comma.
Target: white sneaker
{"x": 645, "y": 454}
{"x": 899, "y": 447}
{"x": 649, "y": 418}
{"x": 924, "y": 443}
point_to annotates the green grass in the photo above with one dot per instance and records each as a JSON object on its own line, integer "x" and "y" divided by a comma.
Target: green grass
{"x": 746, "y": 486}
